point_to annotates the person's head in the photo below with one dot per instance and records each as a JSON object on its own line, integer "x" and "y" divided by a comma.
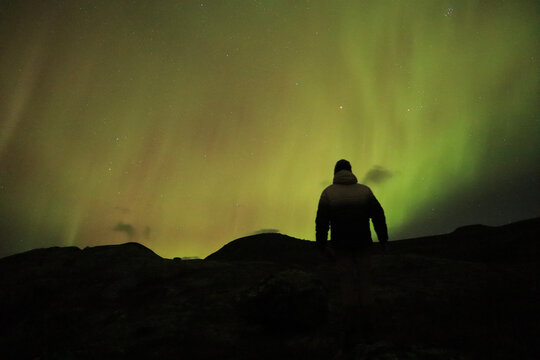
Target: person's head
{"x": 342, "y": 165}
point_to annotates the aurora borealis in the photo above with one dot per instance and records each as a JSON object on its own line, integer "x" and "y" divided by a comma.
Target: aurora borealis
{"x": 184, "y": 125}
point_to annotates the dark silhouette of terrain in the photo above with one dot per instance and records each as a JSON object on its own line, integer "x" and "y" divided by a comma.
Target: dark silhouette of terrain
{"x": 470, "y": 294}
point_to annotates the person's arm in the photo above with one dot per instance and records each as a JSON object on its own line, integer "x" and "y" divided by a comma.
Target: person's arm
{"x": 378, "y": 219}
{"x": 322, "y": 222}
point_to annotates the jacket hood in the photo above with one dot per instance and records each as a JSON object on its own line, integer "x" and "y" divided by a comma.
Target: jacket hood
{"x": 345, "y": 177}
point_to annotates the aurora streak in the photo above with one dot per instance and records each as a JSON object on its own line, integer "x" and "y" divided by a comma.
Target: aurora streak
{"x": 197, "y": 123}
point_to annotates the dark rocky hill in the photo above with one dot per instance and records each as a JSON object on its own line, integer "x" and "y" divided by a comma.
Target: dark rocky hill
{"x": 515, "y": 242}
{"x": 470, "y": 294}
{"x": 271, "y": 247}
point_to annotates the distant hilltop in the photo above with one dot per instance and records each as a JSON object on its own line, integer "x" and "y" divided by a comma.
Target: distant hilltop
{"x": 476, "y": 242}
{"x": 518, "y": 241}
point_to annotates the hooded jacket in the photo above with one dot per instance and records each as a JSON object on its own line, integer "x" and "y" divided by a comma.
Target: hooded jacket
{"x": 345, "y": 207}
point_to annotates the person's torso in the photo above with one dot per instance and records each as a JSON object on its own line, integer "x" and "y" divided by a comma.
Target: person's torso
{"x": 349, "y": 214}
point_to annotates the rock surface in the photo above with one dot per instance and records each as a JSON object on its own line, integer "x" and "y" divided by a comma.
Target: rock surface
{"x": 291, "y": 300}
{"x": 470, "y": 294}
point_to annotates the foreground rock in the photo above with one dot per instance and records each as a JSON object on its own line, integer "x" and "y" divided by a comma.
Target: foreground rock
{"x": 291, "y": 300}
{"x": 434, "y": 300}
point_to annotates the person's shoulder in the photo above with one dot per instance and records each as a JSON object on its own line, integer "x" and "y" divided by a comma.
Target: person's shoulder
{"x": 329, "y": 187}
{"x": 325, "y": 190}
{"x": 364, "y": 188}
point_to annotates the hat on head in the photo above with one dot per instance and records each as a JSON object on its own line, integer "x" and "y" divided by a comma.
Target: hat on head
{"x": 342, "y": 165}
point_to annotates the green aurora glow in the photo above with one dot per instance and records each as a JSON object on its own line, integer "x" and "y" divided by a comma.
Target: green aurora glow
{"x": 208, "y": 121}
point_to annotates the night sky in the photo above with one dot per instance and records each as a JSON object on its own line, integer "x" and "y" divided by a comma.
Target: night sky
{"x": 184, "y": 125}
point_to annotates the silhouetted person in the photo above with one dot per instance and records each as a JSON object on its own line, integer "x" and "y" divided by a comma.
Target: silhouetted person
{"x": 345, "y": 207}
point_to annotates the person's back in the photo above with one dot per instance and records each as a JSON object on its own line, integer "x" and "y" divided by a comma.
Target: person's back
{"x": 345, "y": 207}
